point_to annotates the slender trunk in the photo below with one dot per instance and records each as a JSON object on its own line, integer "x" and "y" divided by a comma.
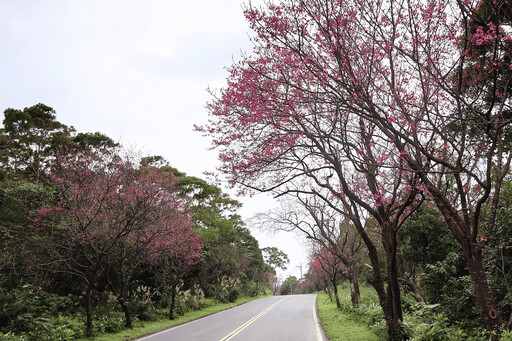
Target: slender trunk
{"x": 490, "y": 315}
{"x": 354, "y": 285}
{"x": 88, "y": 312}
{"x": 335, "y": 289}
{"x": 173, "y": 302}
{"x": 127, "y": 314}
{"x": 394, "y": 284}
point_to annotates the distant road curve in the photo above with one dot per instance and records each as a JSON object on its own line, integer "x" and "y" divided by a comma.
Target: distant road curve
{"x": 279, "y": 318}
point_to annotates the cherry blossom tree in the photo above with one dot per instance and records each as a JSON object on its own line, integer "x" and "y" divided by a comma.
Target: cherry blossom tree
{"x": 108, "y": 213}
{"x": 382, "y": 94}
{"x": 325, "y": 264}
{"x": 177, "y": 255}
{"x": 278, "y": 129}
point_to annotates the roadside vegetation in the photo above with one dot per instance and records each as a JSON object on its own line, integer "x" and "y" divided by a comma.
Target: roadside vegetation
{"x": 385, "y": 130}
{"x": 96, "y": 240}
{"x": 142, "y": 328}
{"x": 344, "y": 324}
{"x": 422, "y": 321}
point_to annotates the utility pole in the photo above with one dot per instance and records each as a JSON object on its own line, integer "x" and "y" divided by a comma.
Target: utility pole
{"x": 291, "y": 287}
{"x": 300, "y": 267}
{"x": 300, "y": 279}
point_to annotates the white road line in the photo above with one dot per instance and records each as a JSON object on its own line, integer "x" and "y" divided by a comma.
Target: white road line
{"x": 315, "y": 321}
{"x": 184, "y": 324}
{"x": 246, "y": 324}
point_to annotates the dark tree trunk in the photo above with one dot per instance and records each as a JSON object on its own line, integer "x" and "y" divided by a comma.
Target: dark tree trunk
{"x": 485, "y": 302}
{"x": 393, "y": 282}
{"x": 389, "y": 299}
{"x": 127, "y": 314}
{"x": 354, "y": 285}
{"x": 89, "y": 332}
{"x": 173, "y": 302}
{"x": 335, "y": 290}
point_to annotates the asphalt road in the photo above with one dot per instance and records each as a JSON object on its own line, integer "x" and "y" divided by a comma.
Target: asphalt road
{"x": 280, "y": 318}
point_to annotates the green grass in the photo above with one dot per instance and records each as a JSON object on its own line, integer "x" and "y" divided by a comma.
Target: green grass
{"x": 142, "y": 328}
{"x": 346, "y": 324}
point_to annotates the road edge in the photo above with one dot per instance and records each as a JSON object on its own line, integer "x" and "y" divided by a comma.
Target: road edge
{"x": 320, "y": 332}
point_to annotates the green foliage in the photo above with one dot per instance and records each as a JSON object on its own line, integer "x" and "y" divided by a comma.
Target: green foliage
{"x": 61, "y": 328}
{"x": 422, "y": 322}
{"x": 289, "y": 286}
{"x": 498, "y": 252}
{"x": 446, "y": 283}
{"x": 275, "y": 258}
{"x": 424, "y": 239}
{"x": 506, "y": 336}
{"x": 345, "y": 324}
{"x": 232, "y": 264}
{"x": 109, "y": 323}
{"x": 26, "y": 309}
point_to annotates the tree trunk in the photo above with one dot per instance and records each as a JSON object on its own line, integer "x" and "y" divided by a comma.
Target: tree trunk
{"x": 485, "y": 302}
{"x": 354, "y": 285}
{"x": 393, "y": 282}
{"x": 127, "y": 314}
{"x": 173, "y": 302}
{"x": 389, "y": 299}
{"x": 89, "y": 332}
{"x": 335, "y": 289}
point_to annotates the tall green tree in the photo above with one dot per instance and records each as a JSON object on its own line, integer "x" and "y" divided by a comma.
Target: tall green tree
{"x": 27, "y": 138}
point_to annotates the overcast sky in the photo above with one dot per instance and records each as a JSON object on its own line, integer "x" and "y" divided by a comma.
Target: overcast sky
{"x": 134, "y": 70}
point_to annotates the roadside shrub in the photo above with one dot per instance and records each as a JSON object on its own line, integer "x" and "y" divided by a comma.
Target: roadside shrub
{"x": 446, "y": 283}
{"x": 141, "y": 304}
{"x": 62, "y": 328}
{"x": 228, "y": 291}
{"x": 18, "y": 312}
{"x": 109, "y": 323}
{"x": 506, "y": 336}
{"x": 10, "y": 336}
{"x": 208, "y": 302}
{"x": 52, "y": 304}
{"x": 194, "y": 297}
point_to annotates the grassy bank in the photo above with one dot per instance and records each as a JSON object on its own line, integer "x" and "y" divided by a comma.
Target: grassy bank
{"x": 348, "y": 324}
{"x": 144, "y": 327}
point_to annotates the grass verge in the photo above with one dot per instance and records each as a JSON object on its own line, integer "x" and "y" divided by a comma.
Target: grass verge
{"x": 142, "y": 328}
{"x": 344, "y": 325}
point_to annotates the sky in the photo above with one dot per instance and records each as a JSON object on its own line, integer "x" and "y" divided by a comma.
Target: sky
{"x": 137, "y": 71}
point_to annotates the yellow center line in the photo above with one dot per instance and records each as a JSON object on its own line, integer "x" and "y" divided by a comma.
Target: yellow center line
{"x": 246, "y": 324}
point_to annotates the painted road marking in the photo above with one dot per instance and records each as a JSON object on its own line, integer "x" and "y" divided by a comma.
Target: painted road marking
{"x": 246, "y": 324}
{"x": 319, "y": 336}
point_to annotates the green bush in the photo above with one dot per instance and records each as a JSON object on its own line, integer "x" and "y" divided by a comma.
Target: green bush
{"x": 506, "y": 336}
{"x": 62, "y": 328}
{"x": 18, "y": 312}
{"x": 446, "y": 283}
{"x": 52, "y": 304}
{"x": 110, "y": 323}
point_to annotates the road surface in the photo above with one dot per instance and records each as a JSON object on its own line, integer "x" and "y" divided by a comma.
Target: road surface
{"x": 282, "y": 318}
